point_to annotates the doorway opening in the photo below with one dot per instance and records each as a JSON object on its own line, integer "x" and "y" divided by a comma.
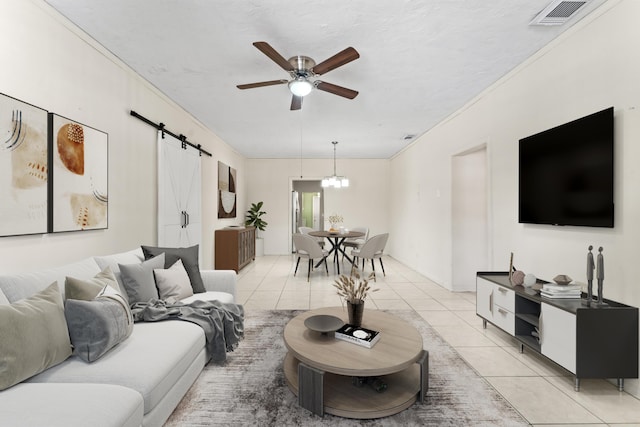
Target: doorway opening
{"x": 307, "y": 206}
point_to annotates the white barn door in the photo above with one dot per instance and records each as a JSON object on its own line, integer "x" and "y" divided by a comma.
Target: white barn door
{"x": 179, "y": 193}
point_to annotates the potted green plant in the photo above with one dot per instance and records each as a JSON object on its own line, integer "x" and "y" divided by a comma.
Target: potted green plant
{"x": 254, "y": 218}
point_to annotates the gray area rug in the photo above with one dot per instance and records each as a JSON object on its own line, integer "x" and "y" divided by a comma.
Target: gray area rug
{"x": 250, "y": 389}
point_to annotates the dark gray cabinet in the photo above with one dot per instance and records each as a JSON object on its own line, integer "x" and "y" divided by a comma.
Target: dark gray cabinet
{"x": 589, "y": 342}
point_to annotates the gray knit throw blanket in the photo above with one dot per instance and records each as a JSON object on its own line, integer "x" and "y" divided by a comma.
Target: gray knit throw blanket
{"x": 223, "y": 324}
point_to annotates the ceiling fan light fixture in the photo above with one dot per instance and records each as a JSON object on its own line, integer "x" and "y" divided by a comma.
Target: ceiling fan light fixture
{"x": 300, "y": 86}
{"x": 303, "y": 71}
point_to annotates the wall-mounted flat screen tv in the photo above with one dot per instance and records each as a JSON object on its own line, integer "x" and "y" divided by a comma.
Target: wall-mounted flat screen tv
{"x": 566, "y": 173}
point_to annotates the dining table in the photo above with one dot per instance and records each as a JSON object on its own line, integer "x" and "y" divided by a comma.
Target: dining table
{"x": 336, "y": 238}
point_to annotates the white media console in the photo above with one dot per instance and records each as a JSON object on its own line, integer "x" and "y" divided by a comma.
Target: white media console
{"x": 588, "y": 341}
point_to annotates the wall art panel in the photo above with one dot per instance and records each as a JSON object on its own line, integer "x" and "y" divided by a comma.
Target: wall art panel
{"x": 79, "y": 176}
{"x": 23, "y": 168}
{"x": 226, "y": 191}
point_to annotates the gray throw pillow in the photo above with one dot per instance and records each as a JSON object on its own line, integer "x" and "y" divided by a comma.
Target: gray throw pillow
{"x": 189, "y": 257}
{"x": 96, "y": 326}
{"x": 138, "y": 279}
{"x": 33, "y": 336}
{"x": 112, "y": 261}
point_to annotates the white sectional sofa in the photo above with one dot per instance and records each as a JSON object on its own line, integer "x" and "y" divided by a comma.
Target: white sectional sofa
{"x": 139, "y": 382}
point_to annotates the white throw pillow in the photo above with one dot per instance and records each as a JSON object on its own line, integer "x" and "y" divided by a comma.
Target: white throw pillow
{"x": 173, "y": 283}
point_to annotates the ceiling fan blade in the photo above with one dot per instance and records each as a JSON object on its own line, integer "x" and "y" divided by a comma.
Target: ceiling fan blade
{"x": 337, "y": 60}
{"x": 261, "y": 84}
{"x": 266, "y": 48}
{"x": 296, "y": 102}
{"x": 336, "y": 90}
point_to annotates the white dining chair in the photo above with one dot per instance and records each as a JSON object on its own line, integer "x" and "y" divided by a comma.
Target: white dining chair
{"x": 356, "y": 242}
{"x": 307, "y": 230}
{"x": 371, "y": 249}
{"x": 307, "y": 247}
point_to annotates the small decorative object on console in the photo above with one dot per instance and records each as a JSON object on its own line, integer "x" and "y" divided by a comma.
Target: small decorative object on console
{"x": 517, "y": 278}
{"x": 591, "y": 265}
{"x": 511, "y": 268}
{"x": 550, "y": 290}
{"x": 600, "y": 276}
{"x": 529, "y": 280}
{"x": 358, "y": 335}
{"x": 562, "y": 279}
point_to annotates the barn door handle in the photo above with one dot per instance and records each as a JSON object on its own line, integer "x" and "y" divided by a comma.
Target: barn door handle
{"x": 183, "y": 219}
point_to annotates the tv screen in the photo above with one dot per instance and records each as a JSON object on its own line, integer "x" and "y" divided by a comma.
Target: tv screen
{"x": 566, "y": 173}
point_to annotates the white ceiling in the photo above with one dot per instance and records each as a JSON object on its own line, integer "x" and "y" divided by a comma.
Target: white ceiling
{"x": 419, "y": 62}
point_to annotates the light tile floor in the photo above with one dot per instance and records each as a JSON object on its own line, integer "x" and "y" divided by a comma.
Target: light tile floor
{"x": 540, "y": 390}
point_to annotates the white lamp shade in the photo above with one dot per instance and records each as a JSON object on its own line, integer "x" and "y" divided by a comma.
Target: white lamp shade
{"x": 300, "y": 86}
{"x": 335, "y": 181}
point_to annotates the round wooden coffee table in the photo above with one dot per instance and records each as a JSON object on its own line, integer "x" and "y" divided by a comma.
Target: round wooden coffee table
{"x": 319, "y": 369}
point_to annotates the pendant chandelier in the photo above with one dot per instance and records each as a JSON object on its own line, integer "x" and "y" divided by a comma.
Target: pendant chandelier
{"x": 335, "y": 181}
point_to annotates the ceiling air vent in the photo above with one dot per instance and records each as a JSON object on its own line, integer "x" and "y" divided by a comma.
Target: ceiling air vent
{"x": 558, "y": 12}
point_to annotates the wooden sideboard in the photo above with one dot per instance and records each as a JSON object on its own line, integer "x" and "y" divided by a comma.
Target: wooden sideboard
{"x": 234, "y": 248}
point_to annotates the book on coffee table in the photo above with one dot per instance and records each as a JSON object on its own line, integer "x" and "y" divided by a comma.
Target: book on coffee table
{"x": 358, "y": 335}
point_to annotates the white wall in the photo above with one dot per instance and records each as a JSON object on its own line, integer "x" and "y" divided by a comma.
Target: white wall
{"x": 593, "y": 66}
{"x": 363, "y": 203}
{"x": 49, "y": 63}
{"x": 469, "y": 223}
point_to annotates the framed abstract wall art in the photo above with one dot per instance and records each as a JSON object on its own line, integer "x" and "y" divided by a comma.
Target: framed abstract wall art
{"x": 79, "y": 157}
{"x": 23, "y": 168}
{"x": 226, "y": 191}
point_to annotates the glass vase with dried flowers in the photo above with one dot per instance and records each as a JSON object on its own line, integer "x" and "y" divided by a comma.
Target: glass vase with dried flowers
{"x": 335, "y": 220}
{"x": 354, "y": 290}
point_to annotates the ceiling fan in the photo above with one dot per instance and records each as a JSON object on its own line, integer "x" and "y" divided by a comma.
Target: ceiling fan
{"x": 303, "y": 71}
